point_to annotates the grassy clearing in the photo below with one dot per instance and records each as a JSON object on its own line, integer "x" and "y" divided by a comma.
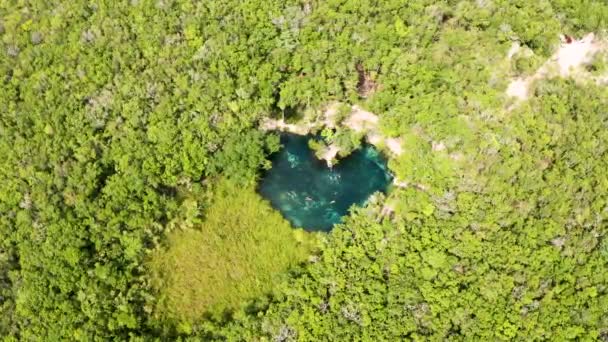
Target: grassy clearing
{"x": 240, "y": 250}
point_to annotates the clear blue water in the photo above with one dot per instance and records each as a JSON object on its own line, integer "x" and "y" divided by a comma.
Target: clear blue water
{"x": 313, "y": 196}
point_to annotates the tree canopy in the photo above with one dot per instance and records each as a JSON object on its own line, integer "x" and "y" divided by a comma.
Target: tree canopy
{"x": 123, "y": 124}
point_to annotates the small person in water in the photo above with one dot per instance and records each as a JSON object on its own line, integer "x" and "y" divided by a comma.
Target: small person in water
{"x": 292, "y": 194}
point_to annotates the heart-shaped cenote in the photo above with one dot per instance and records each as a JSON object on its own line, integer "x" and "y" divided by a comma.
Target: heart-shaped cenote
{"x": 312, "y": 195}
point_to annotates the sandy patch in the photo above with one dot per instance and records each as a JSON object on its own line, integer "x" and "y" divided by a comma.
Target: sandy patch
{"x": 400, "y": 184}
{"x": 280, "y": 125}
{"x": 330, "y": 154}
{"x": 374, "y": 138}
{"x": 363, "y": 121}
{"x": 360, "y": 120}
{"x": 387, "y": 210}
{"x": 438, "y": 146}
{"x": 329, "y": 117}
{"x": 568, "y": 60}
{"x": 515, "y": 47}
{"x": 394, "y": 145}
{"x": 519, "y": 88}
{"x": 456, "y": 156}
{"x": 577, "y": 53}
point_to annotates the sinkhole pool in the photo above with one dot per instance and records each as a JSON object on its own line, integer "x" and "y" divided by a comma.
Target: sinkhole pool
{"x": 313, "y": 196}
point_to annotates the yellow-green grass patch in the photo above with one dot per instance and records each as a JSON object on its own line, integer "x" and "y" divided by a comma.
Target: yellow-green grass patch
{"x": 242, "y": 248}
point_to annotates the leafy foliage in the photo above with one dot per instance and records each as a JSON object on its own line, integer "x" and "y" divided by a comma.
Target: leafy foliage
{"x": 237, "y": 253}
{"x": 519, "y": 258}
{"x": 117, "y": 119}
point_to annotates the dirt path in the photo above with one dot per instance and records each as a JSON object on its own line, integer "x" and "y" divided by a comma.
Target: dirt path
{"x": 568, "y": 61}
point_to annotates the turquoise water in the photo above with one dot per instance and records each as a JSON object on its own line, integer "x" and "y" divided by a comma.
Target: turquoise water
{"x": 314, "y": 197}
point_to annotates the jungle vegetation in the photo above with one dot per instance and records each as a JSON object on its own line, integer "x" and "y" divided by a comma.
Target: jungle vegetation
{"x": 130, "y": 153}
{"x": 241, "y": 248}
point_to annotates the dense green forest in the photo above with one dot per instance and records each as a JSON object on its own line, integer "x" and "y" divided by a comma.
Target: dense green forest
{"x": 130, "y": 150}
